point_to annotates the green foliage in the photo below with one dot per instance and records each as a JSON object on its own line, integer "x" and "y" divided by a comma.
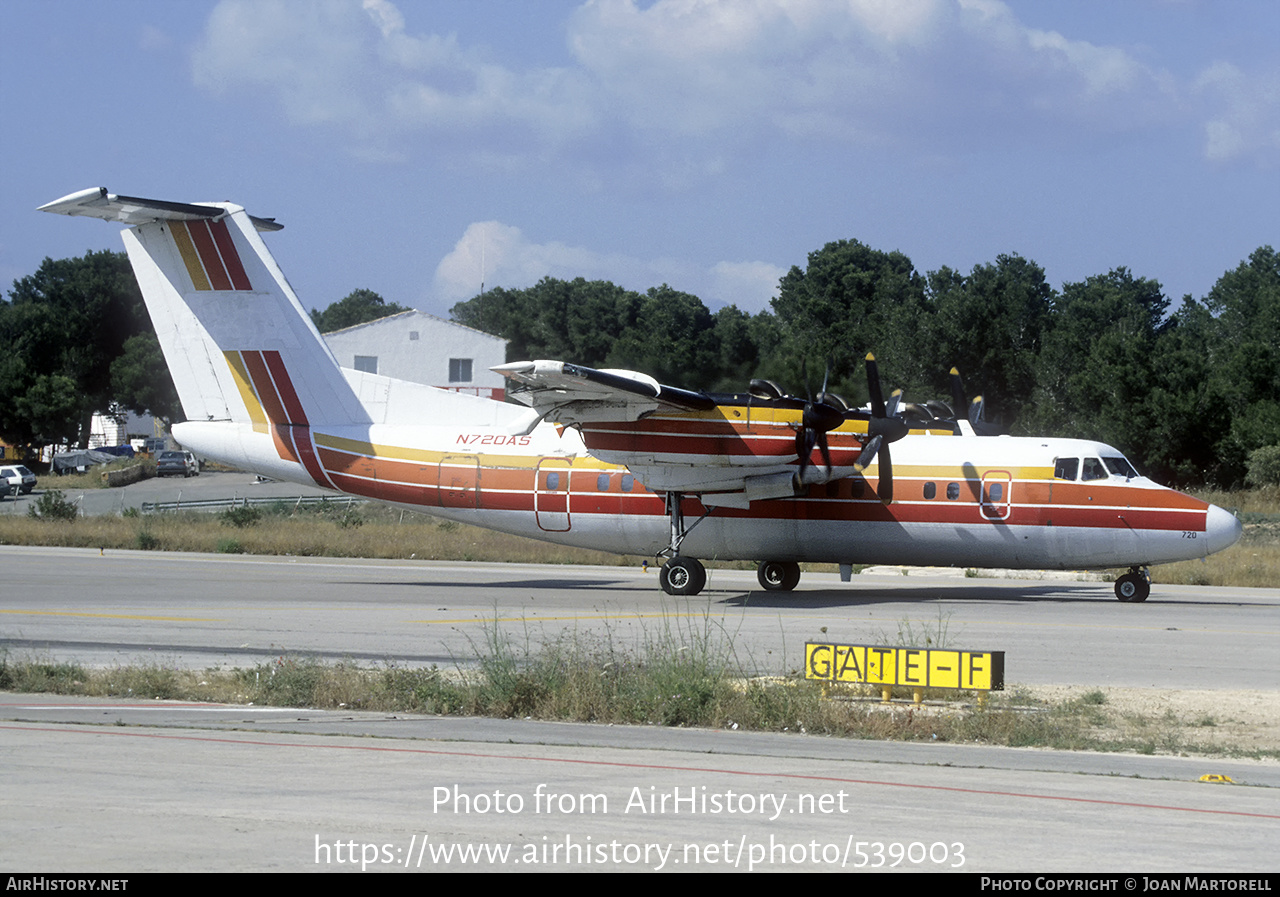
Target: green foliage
{"x": 140, "y": 379}
{"x": 1264, "y": 466}
{"x": 147, "y": 540}
{"x": 359, "y": 307}
{"x": 241, "y": 516}
{"x": 53, "y": 505}
{"x": 62, "y": 329}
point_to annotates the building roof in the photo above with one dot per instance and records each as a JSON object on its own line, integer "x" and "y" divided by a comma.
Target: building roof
{"x": 414, "y": 313}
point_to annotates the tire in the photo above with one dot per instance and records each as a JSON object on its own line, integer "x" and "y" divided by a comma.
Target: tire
{"x": 778, "y": 576}
{"x": 1132, "y": 587}
{"x": 682, "y": 576}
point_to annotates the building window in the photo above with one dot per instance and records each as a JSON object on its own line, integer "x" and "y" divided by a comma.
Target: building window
{"x": 459, "y": 370}
{"x": 367, "y": 363}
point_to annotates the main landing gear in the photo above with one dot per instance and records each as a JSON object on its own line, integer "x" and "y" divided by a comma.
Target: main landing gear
{"x": 778, "y": 576}
{"x": 1135, "y": 585}
{"x": 681, "y": 575}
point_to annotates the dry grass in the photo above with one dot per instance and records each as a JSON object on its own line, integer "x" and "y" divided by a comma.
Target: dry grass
{"x": 327, "y": 532}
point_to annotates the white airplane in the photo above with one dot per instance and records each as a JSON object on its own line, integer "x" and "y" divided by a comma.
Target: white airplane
{"x": 615, "y": 460}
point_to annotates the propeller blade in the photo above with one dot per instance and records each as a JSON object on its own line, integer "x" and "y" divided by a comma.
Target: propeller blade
{"x": 868, "y": 453}
{"x": 884, "y": 487}
{"x": 958, "y": 400}
{"x": 826, "y": 452}
{"x": 873, "y": 387}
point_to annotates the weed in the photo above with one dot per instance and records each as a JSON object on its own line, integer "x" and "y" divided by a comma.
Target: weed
{"x": 147, "y": 540}
{"x": 241, "y": 516}
{"x": 53, "y": 505}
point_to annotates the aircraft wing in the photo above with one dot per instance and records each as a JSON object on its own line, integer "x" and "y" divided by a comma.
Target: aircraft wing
{"x": 571, "y": 394}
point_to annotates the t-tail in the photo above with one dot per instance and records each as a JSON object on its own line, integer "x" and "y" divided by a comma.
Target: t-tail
{"x": 252, "y": 372}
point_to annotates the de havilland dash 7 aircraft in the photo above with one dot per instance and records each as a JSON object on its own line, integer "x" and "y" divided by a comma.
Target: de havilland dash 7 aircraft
{"x": 614, "y": 460}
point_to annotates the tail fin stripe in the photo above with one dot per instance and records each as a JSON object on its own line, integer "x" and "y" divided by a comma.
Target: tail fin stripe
{"x": 288, "y": 395}
{"x": 200, "y": 235}
{"x": 189, "y": 257}
{"x": 261, "y": 377}
{"x": 247, "y": 393}
{"x": 230, "y": 257}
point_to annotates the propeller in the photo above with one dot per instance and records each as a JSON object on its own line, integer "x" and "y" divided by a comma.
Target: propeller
{"x": 977, "y": 422}
{"x": 884, "y": 427}
{"x": 819, "y": 418}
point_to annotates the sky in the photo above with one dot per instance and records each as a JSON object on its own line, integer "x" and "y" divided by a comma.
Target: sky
{"x": 422, "y": 149}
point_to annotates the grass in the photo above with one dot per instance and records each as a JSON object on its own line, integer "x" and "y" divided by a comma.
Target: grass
{"x": 331, "y": 529}
{"x": 679, "y": 673}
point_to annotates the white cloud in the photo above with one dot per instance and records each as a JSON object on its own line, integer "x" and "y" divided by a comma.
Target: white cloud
{"x": 709, "y": 74}
{"x": 1247, "y": 120}
{"x": 748, "y": 285}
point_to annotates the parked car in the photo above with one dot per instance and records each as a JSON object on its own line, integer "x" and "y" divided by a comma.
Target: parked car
{"x": 18, "y": 477}
{"x": 173, "y": 462}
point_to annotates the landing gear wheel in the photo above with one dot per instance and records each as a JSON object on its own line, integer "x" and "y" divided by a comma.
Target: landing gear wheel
{"x": 778, "y": 576}
{"x": 1133, "y": 587}
{"x": 682, "y": 576}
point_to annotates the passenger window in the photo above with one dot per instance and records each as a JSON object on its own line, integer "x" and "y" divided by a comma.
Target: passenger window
{"x": 1066, "y": 468}
{"x": 858, "y": 488}
{"x": 1093, "y": 470}
{"x": 953, "y": 491}
{"x": 602, "y": 483}
{"x": 930, "y": 490}
{"x": 553, "y": 482}
{"x": 628, "y": 481}
{"x": 995, "y": 492}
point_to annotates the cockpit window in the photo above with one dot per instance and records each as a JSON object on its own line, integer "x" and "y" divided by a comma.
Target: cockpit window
{"x": 1120, "y": 467}
{"x": 1093, "y": 470}
{"x": 1066, "y": 468}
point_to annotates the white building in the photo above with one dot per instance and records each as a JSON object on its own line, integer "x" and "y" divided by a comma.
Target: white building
{"x": 422, "y": 348}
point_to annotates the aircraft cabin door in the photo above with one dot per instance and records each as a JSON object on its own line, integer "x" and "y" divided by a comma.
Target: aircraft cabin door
{"x": 459, "y": 479}
{"x": 551, "y": 495}
{"x": 996, "y": 486}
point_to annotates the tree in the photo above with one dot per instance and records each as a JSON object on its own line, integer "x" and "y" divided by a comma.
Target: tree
{"x": 1244, "y": 349}
{"x": 989, "y": 324}
{"x": 569, "y": 320}
{"x": 851, "y": 299}
{"x": 1096, "y": 367}
{"x": 674, "y": 340}
{"x": 63, "y": 328}
{"x": 359, "y": 307}
{"x": 140, "y": 379}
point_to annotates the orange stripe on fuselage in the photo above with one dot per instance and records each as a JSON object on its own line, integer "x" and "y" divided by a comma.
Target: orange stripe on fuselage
{"x": 373, "y": 472}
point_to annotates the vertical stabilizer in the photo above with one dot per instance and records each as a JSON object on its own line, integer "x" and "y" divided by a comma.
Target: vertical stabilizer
{"x": 239, "y": 344}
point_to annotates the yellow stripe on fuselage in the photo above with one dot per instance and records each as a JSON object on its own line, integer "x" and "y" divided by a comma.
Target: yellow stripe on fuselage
{"x": 428, "y": 456}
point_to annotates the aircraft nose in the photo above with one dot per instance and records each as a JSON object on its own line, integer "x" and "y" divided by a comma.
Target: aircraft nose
{"x": 1221, "y": 528}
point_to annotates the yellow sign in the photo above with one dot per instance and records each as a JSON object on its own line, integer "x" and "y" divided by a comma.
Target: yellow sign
{"x": 907, "y": 667}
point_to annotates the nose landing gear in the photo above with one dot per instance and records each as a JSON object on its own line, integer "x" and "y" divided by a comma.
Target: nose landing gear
{"x": 1135, "y": 585}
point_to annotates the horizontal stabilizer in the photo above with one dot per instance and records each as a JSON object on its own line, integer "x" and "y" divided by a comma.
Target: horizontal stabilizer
{"x": 96, "y": 202}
